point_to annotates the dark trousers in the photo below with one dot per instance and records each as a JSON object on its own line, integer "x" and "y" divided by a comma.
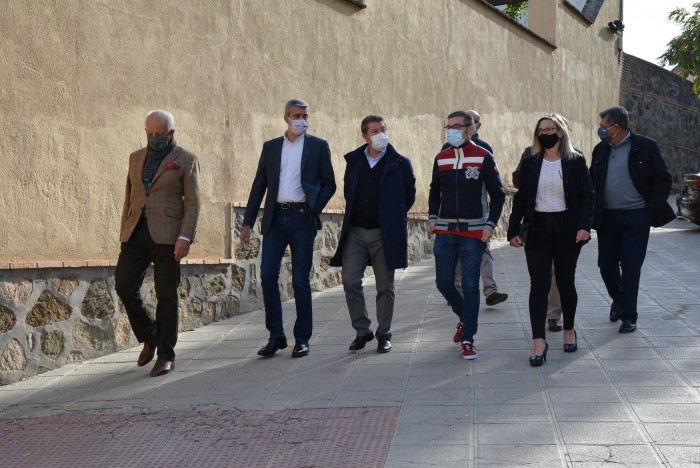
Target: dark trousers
{"x": 289, "y": 228}
{"x": 551, "y": 245}
{"x": 361, "y": 246}
{"x": 622, "y": 246}
{"x": 134, "y": 258}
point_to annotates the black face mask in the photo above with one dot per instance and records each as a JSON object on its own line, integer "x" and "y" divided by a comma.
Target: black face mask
{"x": 548, "y": 141}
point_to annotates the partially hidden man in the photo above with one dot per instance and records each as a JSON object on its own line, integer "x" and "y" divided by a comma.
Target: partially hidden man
{"x": 161, "y": 207}
{"x": 379, "y": 188}
{"x": 296, "y": 172}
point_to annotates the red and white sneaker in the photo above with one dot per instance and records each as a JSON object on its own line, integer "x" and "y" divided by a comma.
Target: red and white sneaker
{"x": 468, "y": 351}
{"x": 458, "y": 334}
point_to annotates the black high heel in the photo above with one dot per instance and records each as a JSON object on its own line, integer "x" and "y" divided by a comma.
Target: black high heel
{"x": 536, "y": 361}
{"x": 570, "y": 348}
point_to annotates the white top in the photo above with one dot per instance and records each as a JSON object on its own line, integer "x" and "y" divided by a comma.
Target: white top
{"x": 290, "y": 171}
{"x": 550, "y": 190}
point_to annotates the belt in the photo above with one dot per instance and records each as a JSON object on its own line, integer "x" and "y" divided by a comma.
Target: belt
{"x": 291, "y": 205}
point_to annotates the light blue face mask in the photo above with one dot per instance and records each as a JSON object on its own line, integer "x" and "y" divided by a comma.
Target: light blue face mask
{"x": 455, "y": 137}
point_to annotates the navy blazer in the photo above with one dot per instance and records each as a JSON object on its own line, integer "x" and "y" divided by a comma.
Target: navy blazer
{"x": 397, "y": 193}
{"x": 317, "y": 180}
{"x": 578, "y": 194}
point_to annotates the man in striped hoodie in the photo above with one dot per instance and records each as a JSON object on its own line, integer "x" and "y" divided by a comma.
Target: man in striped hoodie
{"x": 463, "y": 218}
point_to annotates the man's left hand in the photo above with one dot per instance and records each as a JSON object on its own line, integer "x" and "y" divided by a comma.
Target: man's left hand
{"x": 182, "y": 248}
{"x": 486, "y": 235}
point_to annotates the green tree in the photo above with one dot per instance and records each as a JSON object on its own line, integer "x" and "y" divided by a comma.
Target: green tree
{"x": 516, "y": 10}
{"x": 684, "y": 50}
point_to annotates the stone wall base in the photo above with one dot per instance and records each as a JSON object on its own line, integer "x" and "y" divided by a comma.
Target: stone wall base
{"x": 54, "y": 316}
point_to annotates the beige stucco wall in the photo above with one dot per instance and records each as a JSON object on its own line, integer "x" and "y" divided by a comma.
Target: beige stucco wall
{"x": 78, "y": 77}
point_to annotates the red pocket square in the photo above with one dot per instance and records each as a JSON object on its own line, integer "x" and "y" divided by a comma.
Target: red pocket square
{"x": 172, "y": 166}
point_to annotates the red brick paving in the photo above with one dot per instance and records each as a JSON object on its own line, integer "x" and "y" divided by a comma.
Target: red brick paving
{"x": 332, "y": 437}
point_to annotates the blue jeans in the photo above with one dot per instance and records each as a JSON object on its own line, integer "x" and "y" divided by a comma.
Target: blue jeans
{"x": 289, "y": 228}
{"x": 447, "y": 249}
{"x": 622, "y": 246}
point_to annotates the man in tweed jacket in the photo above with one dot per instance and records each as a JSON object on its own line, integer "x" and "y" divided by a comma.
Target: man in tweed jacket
{"x": 161, "y": 207}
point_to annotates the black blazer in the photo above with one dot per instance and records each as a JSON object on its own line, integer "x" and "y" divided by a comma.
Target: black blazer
{"x": 317, "y": 180}
{"x": 578, "y": 193}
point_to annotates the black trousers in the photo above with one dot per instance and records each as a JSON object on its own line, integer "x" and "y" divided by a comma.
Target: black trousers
{"x": 550, "y": 244}
{"x": 134, "y": 259}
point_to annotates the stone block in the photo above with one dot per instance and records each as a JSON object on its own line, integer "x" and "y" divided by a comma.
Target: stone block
{"x": 325, "y": 263}
{"x": 98, "y": 302}
{"x": 253, "y": 283}
{"x": 52, "y": 343}
{"x": 183, "y": 290}
{"x": 215, "y": 286}
{"x": 122, "y": 332}
{"x": 7, "y": 319}
{"x": 65, "y": 284}
{"x": 251, "y": 252}
{"x": 16, "y": 291}
{"x": 290, "y": 290}
{"x": 13, "y": 357}
{"x": 229, "y": 308}
{"x": 238, "y": 277}
{"x": 208, "y": 313}
{"x": 48, "y": 309}
{"x": 90, "y": 336}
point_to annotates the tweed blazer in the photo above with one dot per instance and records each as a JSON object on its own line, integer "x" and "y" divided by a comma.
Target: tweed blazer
{"x": 171, "y": 204}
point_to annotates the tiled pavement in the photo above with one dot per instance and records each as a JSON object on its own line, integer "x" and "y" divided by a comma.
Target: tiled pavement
{"x": 633, "y": 400}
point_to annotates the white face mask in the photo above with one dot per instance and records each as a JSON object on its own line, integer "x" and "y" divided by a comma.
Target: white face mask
{"x": 298, "y": 126}
{"x": 380, "y": 141}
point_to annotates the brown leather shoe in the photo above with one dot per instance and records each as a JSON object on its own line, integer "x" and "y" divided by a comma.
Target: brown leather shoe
{"x": 147, "y": 353}
{"x": 162, "y": 367}
{"x": 553, "y": 325}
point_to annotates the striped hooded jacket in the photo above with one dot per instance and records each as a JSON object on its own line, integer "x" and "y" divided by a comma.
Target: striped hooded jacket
{"x": 462, "y": 179}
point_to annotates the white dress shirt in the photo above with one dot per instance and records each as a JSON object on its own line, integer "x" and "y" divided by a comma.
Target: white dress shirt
{"x": 290, "y": 171}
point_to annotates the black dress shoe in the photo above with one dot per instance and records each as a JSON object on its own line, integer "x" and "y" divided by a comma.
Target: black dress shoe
{"x": 384, "y": 345}
{"x": 360, "y": 342}
{"x": 272, "y": 346}
{"x": 615, "y": 311}
{"x": 536, "y": 361}
{"x": 496, "y": 298}
{"x": 571, "y": 347}
{"x": 147, "y": 353}
{"x": 627, "y": 326}
{"x": 301, "y": 349}
{"x": 553, "y": 325}
{"x": 162, "y": 367}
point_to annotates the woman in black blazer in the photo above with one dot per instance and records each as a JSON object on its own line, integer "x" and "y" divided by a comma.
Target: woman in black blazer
{"x": 552, "y": 217}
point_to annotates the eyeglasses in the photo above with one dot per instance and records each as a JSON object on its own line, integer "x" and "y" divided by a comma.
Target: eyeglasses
{"x": 456, "y": 127}
{"x": 547, "y": 131}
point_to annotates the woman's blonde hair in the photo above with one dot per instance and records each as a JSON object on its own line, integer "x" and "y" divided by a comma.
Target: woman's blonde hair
{"x": 566, "y": 150}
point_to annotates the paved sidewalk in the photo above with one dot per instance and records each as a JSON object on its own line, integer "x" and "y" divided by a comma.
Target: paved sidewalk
{"x": 630, "y": 399}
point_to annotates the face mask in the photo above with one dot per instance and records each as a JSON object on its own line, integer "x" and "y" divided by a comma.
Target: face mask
{"x": 548, "y": 141}
{"x": 475, "y": 135}
{"x": 299, "y": 126}
{"x": 380, "y": 141}
{"x": 157, "y": 143}
{"x": 603, "y": 134}
{"x": 455, "y": 137}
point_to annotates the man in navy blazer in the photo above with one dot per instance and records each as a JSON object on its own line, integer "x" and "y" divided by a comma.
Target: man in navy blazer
{"x": 296, "y": 171}
{"x": 379, "y": 188}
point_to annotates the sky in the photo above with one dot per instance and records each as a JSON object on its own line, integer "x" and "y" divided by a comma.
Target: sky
{"x": 647, "y": 28}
